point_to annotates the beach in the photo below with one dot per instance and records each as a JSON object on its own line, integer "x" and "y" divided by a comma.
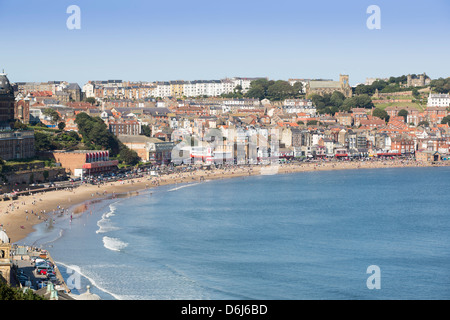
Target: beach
{"x": 19, "y": 217}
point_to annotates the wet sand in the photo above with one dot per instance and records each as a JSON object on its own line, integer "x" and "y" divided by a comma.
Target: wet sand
{"x": 19, "y": 216}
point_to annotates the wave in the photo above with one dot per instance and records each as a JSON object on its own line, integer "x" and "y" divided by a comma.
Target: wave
{"x": 185, "y": 186}
{"x": 92, "y": 281}
{"x": 114, "y": 244}
{"x": 57, "y": 237}
{"x": 104, "y": 224}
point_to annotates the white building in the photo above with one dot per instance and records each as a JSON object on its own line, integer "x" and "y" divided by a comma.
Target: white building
{"x": 162, "y": 90}
{"x": 304, "y": 83}
{"x": 298, "y": 102}
{"x": 438, "y": 100}
{"x": 88, "y": 90}
{"x": 243, "y": 82}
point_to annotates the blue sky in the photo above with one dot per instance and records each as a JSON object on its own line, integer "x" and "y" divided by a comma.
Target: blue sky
{"x": 198, "y": 39}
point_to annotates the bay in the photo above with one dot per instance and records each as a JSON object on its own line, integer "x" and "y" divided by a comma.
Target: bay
{"x": 295, "y": 236}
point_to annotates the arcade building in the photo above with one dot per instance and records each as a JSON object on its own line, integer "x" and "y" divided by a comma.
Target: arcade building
{"x": 82, "y": 163}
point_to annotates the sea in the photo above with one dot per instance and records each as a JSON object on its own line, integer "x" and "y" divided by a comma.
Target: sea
{"x": 364, "y": 234}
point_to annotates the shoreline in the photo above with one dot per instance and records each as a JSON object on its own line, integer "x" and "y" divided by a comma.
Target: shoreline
{"x": 19, "y": 217}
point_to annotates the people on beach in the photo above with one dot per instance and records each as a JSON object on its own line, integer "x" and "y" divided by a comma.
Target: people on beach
{"x": 35, "y": 206}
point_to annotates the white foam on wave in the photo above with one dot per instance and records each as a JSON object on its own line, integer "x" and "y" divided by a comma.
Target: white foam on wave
{"x": 104, "y": 224}
{"x": 185, "y": 186}
{"x": 92, "y": 281}
{"x": 114, "y": 244}
{"x": 59, "y": 236}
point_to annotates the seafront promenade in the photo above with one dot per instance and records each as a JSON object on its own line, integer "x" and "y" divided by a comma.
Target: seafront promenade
{"x": 24, "y": 267}
{"x": 19, "y": 216}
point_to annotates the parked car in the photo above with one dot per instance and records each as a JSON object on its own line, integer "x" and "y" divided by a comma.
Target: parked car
{"x": 44, "y": 270}
{"x": 44, "y": 265}
{"x": 52, "y": 278}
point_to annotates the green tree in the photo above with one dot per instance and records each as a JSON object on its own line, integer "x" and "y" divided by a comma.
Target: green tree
{"x": 320, "y": 101}
{"x": 363, "y": 89}
{"x": 361, "y": 101}
{"x": 54, "y": 115}
{"x": 446, "y": 120}
{"x": 380, "y": 113}
{"x": 256, "y": 92}
{"x": 146, "y": 130}
{"x": 18, "y": 125}
{"x": 337, "y": 99}
{"x": 91, "y": 100}
{"x": 281, "y": 90}
{"x": 398, "y": 80}
{"x": 61, "y": 126}
{"x": 297, "y": 89}
{"x": 96, "y": 135}
{"x": 424, "y": 124}
{"x": 274, "y": 90}
{"x": 127, "y": 156}
{"x": 9, "y": 293}
{"x": 258, "y": 89}
{"x": 403, "y": 113}
{"x": 378, "y": 85}
{"x": 43, "y": 141}
{"x": 313, "y": 122}
{"x": 441, "y": 85}
{"x": 238, "y": 91}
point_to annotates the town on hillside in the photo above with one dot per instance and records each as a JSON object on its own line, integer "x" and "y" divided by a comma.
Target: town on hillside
{"x": 58, "y": 130}
{"x": 59, "y": 135}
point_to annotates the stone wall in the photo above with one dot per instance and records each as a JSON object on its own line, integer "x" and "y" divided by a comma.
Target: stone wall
{"x": 32, "y": 176}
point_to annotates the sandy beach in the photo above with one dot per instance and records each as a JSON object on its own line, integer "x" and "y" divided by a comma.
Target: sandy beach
{"x": 19, "y": 216}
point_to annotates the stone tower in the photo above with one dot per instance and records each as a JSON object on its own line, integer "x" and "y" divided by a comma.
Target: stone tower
{"x": 345, "y": 85}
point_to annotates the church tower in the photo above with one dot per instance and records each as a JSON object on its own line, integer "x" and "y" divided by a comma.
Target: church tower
{"x": 345, "y": 85}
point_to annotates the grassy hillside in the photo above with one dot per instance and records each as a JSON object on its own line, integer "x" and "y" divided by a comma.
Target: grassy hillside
{"x": 400, "y": 104}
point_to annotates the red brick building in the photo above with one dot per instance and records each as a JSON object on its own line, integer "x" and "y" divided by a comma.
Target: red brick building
{"x": 87, "y": 162}
{"x": 127, "y": 127}
{"x": 403, "y": 145}
{"x": 22, "y": 110}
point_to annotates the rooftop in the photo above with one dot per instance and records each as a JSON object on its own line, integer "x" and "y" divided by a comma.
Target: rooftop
{"x": 138, "y": 139}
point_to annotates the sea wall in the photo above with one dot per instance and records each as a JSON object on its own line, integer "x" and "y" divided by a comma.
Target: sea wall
{"x": 12, "y": 179}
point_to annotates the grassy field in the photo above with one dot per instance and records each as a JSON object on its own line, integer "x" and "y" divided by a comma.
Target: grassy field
{"x": 400, "y": 104}
{"x": 397, "y": 97}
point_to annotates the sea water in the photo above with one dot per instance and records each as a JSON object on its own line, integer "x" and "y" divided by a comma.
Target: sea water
{"x": 309, "y": 235}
